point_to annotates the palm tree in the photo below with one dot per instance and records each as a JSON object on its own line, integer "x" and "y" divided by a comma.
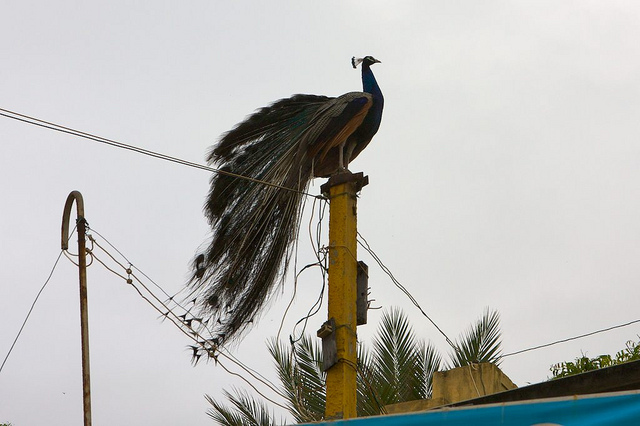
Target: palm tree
{"x": 399, "y": 367}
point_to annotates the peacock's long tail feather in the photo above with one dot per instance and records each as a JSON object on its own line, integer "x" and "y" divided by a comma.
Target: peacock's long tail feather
{"x": 285, "y": 144}
{"x": 254, "y": 224}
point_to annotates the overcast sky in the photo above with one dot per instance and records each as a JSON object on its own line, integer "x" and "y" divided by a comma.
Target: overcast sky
{"x": 506, "y": 173}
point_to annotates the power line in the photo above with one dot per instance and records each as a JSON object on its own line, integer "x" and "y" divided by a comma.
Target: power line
{"x": 209, "y": 346}
{"x": 31, "y": 310}
{"x": 364, "y": 244}
{"x": 572, "y": 338}
{"x": 63, "y": 129}
{"x": 194, "y": 334}
{"x": 321, "y": 256}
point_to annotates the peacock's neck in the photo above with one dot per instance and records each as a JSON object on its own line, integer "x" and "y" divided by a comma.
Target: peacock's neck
{"x": 370, "y": 85}
{"x": 372, "y": 120}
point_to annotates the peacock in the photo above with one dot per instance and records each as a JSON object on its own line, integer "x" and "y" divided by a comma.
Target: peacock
{"x": 277, "y": 150}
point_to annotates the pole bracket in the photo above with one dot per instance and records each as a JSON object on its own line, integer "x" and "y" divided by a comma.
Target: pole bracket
{"x": 359, "y": 178}
{"x": 329, "y": 345}
{"x": 362, "y": 301}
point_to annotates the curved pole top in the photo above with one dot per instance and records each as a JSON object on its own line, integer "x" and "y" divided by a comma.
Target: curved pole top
{"x": 77, "y": 197}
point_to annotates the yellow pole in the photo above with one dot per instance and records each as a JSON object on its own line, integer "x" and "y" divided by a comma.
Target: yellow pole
{"x": 341, "y": 377}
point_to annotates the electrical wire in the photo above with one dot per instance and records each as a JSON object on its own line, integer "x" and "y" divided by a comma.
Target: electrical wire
{"x": 179, "y": 321}
{"x": 131, "y": 265}
{"x": 252, "y": 386}
{"x": 313, "y": 310}
{"x": 194, "y": 335}
{"x": 364, "y": 244}
{"x": 374, "y": 392}
{"x": 295, "y": 279}
{"x": 321, "y": 256}
{"x": 55, "y": 264}
{"x": 63, "y": 129}
{"x": 571, "y": 338}
{"x": 321, "y": 263}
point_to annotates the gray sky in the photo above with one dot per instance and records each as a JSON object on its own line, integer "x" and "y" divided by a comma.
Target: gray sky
{"x": 505, "y": 174}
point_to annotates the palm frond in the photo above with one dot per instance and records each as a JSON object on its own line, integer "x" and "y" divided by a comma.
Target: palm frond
{"x": 300, "y": 373}
{"x": 369, "y": 398}
{"x": 246, "y": 411}
{"x": 480, "y": 343}
{"x": 432, "y": 360}
{"x": 308, "y": 357}
{"x": 401, "y": 364}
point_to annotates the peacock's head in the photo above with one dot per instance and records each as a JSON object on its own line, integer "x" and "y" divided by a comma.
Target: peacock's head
{"x": 366, "y": 61}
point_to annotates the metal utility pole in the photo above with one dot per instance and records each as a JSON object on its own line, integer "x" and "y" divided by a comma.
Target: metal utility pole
{"x": 82, "y": 268}
{"x": 339, "y": 332}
